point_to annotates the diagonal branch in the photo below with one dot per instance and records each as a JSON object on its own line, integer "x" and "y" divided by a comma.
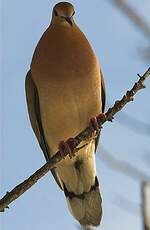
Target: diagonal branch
{"x": 83, "y": 136}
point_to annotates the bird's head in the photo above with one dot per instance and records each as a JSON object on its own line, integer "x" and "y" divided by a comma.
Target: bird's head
{"x": 63, "y": 13}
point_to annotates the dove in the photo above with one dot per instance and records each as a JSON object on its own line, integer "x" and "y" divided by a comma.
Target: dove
{"x": 65, "y": 91}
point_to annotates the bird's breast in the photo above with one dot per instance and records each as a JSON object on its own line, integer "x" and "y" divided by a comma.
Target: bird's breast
{"x": 67, "y": 76}
{"x": 62, "y": 53}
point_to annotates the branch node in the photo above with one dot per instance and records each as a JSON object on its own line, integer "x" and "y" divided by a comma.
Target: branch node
{"x": 110, "y": 119}
{"x": 139, "y": 75}
{"x": 117, "y": 102}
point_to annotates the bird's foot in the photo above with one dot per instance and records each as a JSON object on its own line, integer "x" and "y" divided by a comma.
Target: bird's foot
{"x": 95, "y": 122}
{"x": 66, "y": 147}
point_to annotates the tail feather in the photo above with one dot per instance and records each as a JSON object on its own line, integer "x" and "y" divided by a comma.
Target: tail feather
{"x": 86, "y": 207}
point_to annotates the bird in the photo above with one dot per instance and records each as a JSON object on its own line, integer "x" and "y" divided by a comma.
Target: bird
{"x": 65, "y": 91}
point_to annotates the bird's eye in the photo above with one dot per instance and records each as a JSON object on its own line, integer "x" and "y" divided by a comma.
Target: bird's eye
{"x": 73, "y": 13}
{"x": 55, "y": 12}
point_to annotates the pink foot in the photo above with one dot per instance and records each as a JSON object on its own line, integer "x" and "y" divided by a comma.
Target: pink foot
{"x": 66, "y": 147}
{"x": 95, "y": 122}
{"x": 101, "y": 117}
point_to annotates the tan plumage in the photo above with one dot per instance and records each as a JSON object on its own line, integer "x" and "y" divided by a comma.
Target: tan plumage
{"x": 64, "y": 89}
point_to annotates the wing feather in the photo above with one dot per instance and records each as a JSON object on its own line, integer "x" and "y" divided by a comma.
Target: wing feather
{"x": 103, "y": 96}
{"x": 33, "y": 105}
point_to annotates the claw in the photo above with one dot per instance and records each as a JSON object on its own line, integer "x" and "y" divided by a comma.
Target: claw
{"x": 66, "y": 147}
{"x": 101, "y": 118}
{"x": 95, "y": 122}
{"x": 61, "y": 148}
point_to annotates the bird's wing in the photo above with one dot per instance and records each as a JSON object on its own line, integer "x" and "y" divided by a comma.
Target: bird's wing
{"x": 103, "y": 92}
{"x": 103, "y": 96}
{"x": 35, "y": 119}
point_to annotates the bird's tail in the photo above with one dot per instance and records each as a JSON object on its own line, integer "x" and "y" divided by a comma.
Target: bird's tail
{"x": 86, "y": 207}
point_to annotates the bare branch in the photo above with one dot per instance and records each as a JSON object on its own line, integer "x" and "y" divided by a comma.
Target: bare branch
{"x": 83, "y": 136}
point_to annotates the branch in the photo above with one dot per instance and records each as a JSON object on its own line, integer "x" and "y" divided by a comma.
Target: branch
{"x": 83, "y": 136}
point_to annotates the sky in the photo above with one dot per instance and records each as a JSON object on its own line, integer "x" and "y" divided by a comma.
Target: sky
{"x": 117, "y": 44}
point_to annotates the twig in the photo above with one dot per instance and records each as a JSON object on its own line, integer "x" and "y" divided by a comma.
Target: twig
{"x": 83, "y": 136}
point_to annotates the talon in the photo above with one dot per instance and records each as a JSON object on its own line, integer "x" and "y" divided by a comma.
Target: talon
{"x": 70, "y": 142}
{"x": 66, "y": 147}
{"x": 101, "y": 118}
{"x": 111, "y": 119}
{"x": 61, "y": 148}
{"x": 94, "y": 124}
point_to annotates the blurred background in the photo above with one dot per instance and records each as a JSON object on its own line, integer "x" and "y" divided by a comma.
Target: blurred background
{"x": 119, "y": 31}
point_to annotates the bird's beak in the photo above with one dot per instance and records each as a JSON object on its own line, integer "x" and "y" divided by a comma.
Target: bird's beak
{"x": 68, "y": 19}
